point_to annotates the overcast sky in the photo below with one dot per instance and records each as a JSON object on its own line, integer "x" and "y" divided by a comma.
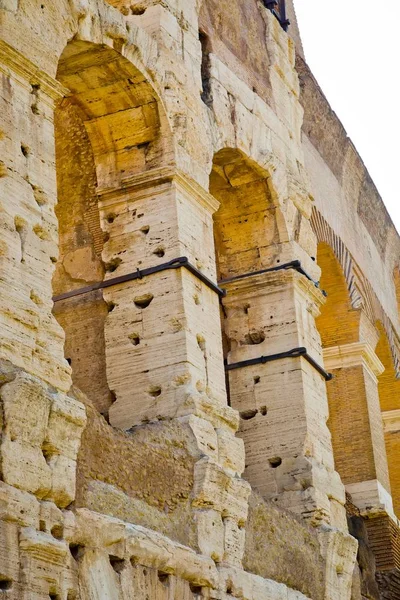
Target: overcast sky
{"x": 353, "y": 49}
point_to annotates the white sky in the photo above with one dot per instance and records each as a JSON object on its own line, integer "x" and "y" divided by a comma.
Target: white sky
{"x": 353, "y": 49}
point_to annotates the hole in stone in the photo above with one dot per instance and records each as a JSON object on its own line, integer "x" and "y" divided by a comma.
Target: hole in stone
{"x": 254, "y": 338}
{"x": 77, "y": 551}
{"x": 263, "y": 410}
{"x": 145, "y": 572}
{"x": 25, "y": 150}
{"x": 201, "y": 342}
{"x": 195, "y": 589}
{"x": 229, "y": 588}
{"x": 5, "y": 584}
{"x": 138, "y": 10}
{"x": 257, "y": 379}
{"x": 42, "y": 525}
{"x": 246, "y": 415}
{"x": 155, "y": 391}
{"x": 47, "y": 452}
{"x": 57, "y": 532}
{"x": 111, "y": 218}
{"x": 110, "y": 306}
{"x": 278, "y": 261}
{"x": 113, "y": 264}
{"x": 135, "y": 339}
{"x": 54, "y": 597}
{"x": 134, "y": 561}
{"x": 246, "y": 308}
{"x": 143, "y": 301}
{"x": 159, "y": 252}
{"x": 163, "y": 577}
{"x": 106, "y": 237}
{"x": 69, "y": 361}
{"x": 113, "y": 396}
{"x": 118, "y": 564}
{"x": 275, "y": 462}
{"x": 145, "y": 229}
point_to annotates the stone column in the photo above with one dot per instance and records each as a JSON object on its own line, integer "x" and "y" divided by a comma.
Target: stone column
{"x": 30, "y": 336}
{"x": 163, "y": 341}
{"x": 356, "y": 425}
{"x": 391, "y": 427}
{"x": 282, "y": 404}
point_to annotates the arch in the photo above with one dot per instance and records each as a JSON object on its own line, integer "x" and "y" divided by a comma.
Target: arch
{"x": 339, "y": 321}
{"x": 248, "y": 226}
{"x": 348, "y": 339}
{"x": 109, "y": 128}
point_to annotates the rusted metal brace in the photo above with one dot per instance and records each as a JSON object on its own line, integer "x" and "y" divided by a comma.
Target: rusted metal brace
{"x": 294, "y": 264}
{"x": 176, "y": 263}
{"x": 296, "y": 352}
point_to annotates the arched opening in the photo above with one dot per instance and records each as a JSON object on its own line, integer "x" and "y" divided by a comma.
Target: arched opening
{"x": 107, "y": 131}
{"x": 389, "y": 396}
{"x": 245, "y": 226}
{"x": 348, "y": 340}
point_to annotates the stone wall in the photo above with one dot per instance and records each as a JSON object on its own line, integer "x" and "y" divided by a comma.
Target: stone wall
{"x": 133, "y": 134}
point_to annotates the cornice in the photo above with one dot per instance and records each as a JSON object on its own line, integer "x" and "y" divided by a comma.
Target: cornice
{"x": 13, "y": 62}
{"x": 391, "y": 421}
{"x": 353, "y": 355}
{"x": 269, "y": 282}
{"x": 156, "y": 177}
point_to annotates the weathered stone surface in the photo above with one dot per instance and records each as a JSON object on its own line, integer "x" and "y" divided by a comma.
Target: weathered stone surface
{"x": 132, "y": 134}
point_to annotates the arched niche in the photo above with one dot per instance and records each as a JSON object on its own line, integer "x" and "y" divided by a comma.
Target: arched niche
{"x": 247, "y": 224}
{"x": 339, "y": 322}
{"x": 108, "y": 129}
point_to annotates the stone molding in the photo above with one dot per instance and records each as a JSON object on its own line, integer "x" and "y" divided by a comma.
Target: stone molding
{"x": 148, "y": 180}
{"x": 29, "y": 74}
{"x": 391, "y": 421}
{"x": 370, "y": 497}
{"x": 266, "y": 283}
{"x": 353, "y": 355}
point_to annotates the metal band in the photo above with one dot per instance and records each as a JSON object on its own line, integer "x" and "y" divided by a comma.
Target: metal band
{"x": 176, "y": 263}
{"x": 294, "y": 353}
{"x": 294, "y": 264}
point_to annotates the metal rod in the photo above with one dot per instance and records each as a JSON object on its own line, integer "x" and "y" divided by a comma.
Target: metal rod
{"x": 294, "y": 264}
{"x": 294, "y": 353}
{"x": 176, "y": 263}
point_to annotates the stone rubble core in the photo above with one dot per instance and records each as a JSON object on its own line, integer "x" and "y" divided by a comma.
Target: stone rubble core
{"x": 133, "y": 464}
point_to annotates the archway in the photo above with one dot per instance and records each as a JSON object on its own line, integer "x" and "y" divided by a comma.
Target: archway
{"x": 348, "y": 340}
{"x": 107, "y": 131}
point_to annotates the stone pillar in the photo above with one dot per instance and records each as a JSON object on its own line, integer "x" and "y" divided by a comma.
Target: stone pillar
{"x": 163, "y": 341}
{"x": 391, "y": 427}
{"x": 30, "y": 336}
{"x": 163, "y": 334}
{"x": 282, "y": 404}
{"x": 356, "y": 425}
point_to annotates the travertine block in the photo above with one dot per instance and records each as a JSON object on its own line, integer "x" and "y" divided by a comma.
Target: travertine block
{"x": 18, "y": 506}
{"x": 210, "y": 534}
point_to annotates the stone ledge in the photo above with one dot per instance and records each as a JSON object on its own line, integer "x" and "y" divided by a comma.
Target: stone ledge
{"x": 353, "y": 355}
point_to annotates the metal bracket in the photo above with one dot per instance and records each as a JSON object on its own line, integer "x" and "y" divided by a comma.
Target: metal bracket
{"x": 294, "y": 264}
{"x": 176, "y": 263}
{"x": 295, "y": 353}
